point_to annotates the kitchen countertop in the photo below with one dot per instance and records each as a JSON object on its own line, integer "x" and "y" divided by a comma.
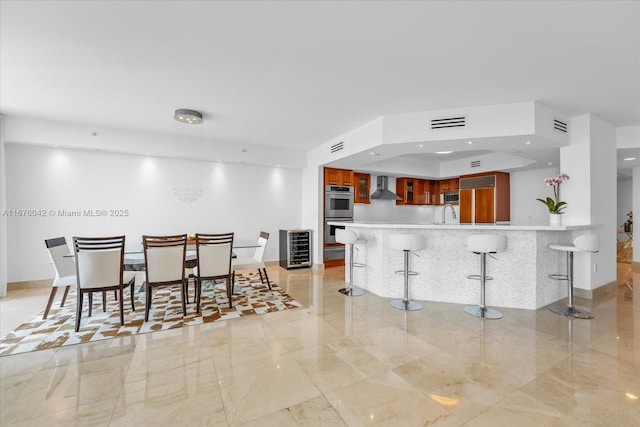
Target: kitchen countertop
{"x": 426, "y": 225}
{"x": 521, "y": 273}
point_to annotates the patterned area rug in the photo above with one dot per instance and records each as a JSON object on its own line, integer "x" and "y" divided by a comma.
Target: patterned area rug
{"x": 250, "y": 297}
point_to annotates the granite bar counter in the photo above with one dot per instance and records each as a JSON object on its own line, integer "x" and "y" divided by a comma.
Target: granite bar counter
{"x": 521, "y": 274}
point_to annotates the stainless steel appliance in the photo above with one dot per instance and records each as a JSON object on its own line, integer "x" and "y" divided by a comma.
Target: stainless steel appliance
{"x": 295, "y": 248}
{"x": 452, "y": 197}
{"x": 330, "y": 230}
{"x": 332, "y": 253}
{"x": 338, "y": 201}
{"x": 382, "y": 190}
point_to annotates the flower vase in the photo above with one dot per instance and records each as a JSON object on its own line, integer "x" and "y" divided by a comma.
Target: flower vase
{"x": 555, "y": 219}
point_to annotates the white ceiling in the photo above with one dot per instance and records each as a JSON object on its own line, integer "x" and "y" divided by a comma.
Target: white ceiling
{"x": 297, "y": 74}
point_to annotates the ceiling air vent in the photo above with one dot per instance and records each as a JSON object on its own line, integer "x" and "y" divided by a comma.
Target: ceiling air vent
{"x": 337, "y": 147}
{"x": 560, "y": 126}
{"x": 475, "y": 163}
{"x": 450, "y": 122}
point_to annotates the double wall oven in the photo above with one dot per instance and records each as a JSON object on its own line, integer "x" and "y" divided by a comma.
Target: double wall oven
{"x": 338, "y": 207}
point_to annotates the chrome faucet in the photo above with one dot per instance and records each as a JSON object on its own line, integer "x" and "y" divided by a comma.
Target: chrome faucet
{"x": 444, "y": 211}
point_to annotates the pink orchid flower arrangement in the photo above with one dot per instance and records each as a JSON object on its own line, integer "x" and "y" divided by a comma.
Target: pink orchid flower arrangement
{"x": 554, "y": 205}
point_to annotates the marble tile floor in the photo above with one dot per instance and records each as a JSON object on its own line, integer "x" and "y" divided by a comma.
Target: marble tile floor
{"x": 338, "y": 361}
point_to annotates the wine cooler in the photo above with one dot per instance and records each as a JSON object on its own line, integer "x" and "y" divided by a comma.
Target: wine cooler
{"x": 295, "y": 248}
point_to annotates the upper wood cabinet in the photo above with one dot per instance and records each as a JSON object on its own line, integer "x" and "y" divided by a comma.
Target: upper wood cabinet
{"x": 338, "y": 177}
{"x": 362, "y": 187}
{"x": 415, "y": 191}
{"x": 448, "y": 185}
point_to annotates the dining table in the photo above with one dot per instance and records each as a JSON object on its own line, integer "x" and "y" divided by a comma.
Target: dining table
{"x": 134, "y": 256}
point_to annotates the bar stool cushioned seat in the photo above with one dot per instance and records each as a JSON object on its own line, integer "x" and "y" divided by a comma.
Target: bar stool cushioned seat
{"x": 406, "y": 243}
{"x": 584, "y": 243}
{"x": 484, "y": 244}
{"x": 350, "y": 237}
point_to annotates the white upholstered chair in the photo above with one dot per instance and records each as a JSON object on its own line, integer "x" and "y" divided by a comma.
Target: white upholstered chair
{"x": 64, "y": 267}
{"x": 164, "y": 258}
{"x": 100, "y": 268}
{"x": 254, "y": 263}
{"x": 213, "y": 252}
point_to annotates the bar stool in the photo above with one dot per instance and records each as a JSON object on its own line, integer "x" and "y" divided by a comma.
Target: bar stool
{"x": 348, "y": 237}
{"x": 484, "y": 244}
{"x": 584, "y": 243}
{"x": 406, "y": 243}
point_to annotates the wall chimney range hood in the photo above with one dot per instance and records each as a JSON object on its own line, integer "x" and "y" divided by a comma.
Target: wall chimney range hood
{"x": 382, "y": 191}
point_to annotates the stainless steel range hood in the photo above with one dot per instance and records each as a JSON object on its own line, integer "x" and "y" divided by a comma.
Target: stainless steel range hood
{"x": 382, "y": 191}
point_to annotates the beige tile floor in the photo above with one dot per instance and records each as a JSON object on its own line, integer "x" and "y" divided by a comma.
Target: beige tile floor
{"x": 338, "y": 361}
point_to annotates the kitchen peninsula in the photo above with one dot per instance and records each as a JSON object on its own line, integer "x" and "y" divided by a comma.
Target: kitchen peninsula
{"x": 520, "y": 274}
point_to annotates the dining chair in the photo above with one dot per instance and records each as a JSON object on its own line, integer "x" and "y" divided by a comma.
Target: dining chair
{"x": 100, "y": 267}
{"x": 254, "y": 263}
{"x": 164, "y": 258}
{"x": 213, "y": 252}
{"x": 64, "y": 268}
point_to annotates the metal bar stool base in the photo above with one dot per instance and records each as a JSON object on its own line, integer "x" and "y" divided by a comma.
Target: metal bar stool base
{"x": 485, "y": 313}
{"x": 565, "y": 310}
{"x": 401, "y": 304}
{"x": 352, "y": 291}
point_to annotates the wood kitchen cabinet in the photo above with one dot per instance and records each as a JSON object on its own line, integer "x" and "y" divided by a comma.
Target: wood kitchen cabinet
{"x": 485, "y": 198}
{"x": 404, "y": 189}
{"x": 448, "y": 185}
{"x": 362, "y": 189}
{"x": 415, "y": 191}
{"x": 334, "y": 176}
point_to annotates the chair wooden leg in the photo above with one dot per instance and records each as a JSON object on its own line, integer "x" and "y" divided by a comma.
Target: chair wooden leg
{"x": 104, "y": 301}
{"x": 147, "y": 303}
{"x": 79, "y": 309}
{"x": 121, "y": 301}
{"x": 267, "y": 277}
{"x": 198, "y": 292}
{"x": 54, "y": 290}
{"x": 184, "y": 296}
{"x": 132, "y": 290}
{"x": 64, "y": 296}
{"x": 90, "y": 303}
{"x": 261, "y": 278}
{"x": 115, "y": 295}
{"x": 230, "y": 291}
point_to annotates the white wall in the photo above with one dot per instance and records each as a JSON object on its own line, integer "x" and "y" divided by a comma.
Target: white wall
{"x": 239, "y": 198}
{"x": 590, "y": 161}
{"x": 526, "y": 187}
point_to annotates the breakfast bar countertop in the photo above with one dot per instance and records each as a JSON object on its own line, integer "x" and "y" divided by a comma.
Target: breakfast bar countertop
{"x": 521, "y": 273}
{"x": 457, "y": 226}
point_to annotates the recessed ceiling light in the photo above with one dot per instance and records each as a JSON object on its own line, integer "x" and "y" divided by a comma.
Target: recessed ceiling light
{"x": 549, "y": 163}
{"x": 55, "y": 146}
{"x": 444, "y": 152}
{"x": 629, "y": 158}
{"x": 528, "y": 142}
{"x": 419, "y": 145}
{"x": 469, "y": 142}
{"x": 190, "y": 117}
{"x": 373, "y": 153}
